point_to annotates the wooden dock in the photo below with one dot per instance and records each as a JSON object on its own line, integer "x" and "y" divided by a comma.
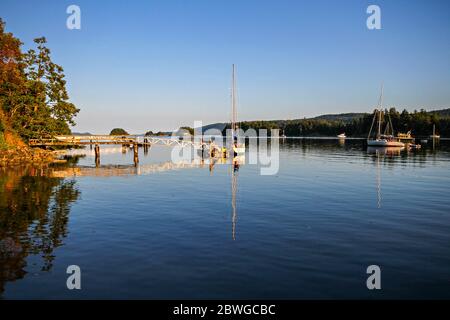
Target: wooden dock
{"x": 83, "y": 140}
{"x": 74, "y": 140}
{"x": 134, "y": 141}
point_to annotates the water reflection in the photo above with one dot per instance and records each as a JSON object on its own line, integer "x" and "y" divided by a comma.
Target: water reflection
{"x": 235, "y": 165}
{"x": 380, "y": 153}
{"x": 35, "y": 205}
{"x": 387, "y": 151}
{"x": 34, "y": 212}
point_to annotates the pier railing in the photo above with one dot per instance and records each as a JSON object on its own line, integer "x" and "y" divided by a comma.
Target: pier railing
{"x": 83, "y": 140}
{"x": 71, "y": 140}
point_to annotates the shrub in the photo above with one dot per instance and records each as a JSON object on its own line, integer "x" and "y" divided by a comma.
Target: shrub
{"x": 118, "y": 132}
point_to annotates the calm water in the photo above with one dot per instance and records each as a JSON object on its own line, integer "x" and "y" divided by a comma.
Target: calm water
{"x": 165, "y": 231}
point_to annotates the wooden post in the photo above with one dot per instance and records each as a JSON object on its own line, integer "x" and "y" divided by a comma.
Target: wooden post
{"x": 136, "y": 153}
{"x": 203, "y": 148}
{"x": 97, "y": 155}
{"x": 146, "y": 145}
{"x": 90, "y": 145}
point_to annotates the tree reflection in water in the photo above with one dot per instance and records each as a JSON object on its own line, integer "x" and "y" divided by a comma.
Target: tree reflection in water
{"x": 34, "y": 211}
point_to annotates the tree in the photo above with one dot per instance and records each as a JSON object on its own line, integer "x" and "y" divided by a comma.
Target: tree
{"x": 12, "y": 75}
{"x": 51, "y": 112}
{"x": 118, "y": 132}
{"x": 33, "y": 91}
{"x": 188, "y": 129}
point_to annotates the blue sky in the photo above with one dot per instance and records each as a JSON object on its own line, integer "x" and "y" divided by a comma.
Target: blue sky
{"x": 156, "y": 65}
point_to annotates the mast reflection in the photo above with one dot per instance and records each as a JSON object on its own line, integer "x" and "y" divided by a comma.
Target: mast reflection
{"x": 380, "y": 152}
{"x": 235, "y": 165}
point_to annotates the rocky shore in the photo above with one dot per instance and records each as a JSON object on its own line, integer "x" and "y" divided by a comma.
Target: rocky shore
{"x": 25, "y": 155}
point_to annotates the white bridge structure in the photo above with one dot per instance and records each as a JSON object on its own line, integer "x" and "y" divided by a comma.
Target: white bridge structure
{"x": 72, "y": 140}
{"x": 134, "y": 141}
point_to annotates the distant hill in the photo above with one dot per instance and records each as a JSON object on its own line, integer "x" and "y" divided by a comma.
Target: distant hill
{"x": 444, "y": 113}
{"x": 217, "y": 126}
{"x": 81, "y": 134}
{"x": 345, "y": 117}
{"x": 354, "y": 124}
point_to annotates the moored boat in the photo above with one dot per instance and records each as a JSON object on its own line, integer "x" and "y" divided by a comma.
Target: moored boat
{"x": 406, "y": 137}
{"x": 387, "y": 138}
{"x": 385, "y": 143}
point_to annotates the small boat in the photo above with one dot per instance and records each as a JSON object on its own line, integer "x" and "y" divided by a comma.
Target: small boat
{"x": 434, "y": 135}
{"x": 342, "y": 136}
{"x": 387, "y": 138}
{"x": 414, "y": 146}
{"x": 424, "y": 141}
{"x": 406, "y": 137}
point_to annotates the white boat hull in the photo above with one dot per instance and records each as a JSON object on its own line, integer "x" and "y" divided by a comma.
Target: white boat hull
{"x": 239, "y": 150}
{"x": 384, "y": 143}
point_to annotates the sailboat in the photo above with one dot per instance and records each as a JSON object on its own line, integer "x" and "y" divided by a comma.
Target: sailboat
{"x": 387, "y": 138}
{"x": 237, "y": 147}
{"x": 434, "y": 135}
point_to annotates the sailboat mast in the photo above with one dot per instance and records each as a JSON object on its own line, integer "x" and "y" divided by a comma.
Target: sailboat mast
{"x": 379, "y": 114}
{"x": 233, "y": 101}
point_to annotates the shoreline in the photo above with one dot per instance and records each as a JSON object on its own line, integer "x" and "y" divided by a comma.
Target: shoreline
{"x": 25, "y": 156}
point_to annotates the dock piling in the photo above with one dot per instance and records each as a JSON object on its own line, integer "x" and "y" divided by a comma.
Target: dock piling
{"x": 136, "y": 153}
{"x": 97, "y": 155}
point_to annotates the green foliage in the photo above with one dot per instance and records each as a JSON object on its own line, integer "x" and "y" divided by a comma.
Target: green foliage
{"x": 419, "y": 122}
{"x": 159, "y": 133}
{"x": 33, "y": 93}
{"x": 3, "y": 145}
{"x": 118, "y": 132}
{"x": 188, "y": 129}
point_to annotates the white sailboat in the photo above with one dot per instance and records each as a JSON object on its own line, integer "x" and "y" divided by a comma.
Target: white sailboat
{"x": 238, "y": 148}
{"x": 387, "y": 138}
